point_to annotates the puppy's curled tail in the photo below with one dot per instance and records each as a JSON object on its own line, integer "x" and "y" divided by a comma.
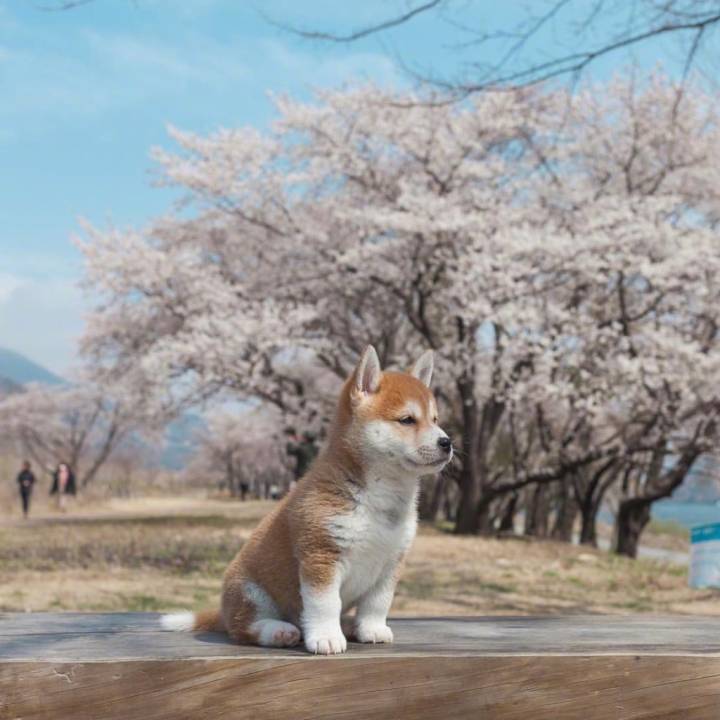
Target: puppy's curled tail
{"x": 207, "y": 620}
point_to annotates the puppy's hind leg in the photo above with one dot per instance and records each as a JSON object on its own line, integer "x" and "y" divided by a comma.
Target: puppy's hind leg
{"x": 275, "y": 633}
{"x": 254, "y": 619}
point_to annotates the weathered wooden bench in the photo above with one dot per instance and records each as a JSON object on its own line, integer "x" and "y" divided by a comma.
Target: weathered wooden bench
{"x": 124, "y": 666}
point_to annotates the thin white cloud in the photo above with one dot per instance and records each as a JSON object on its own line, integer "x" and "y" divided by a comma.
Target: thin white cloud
{"x": 283, "y": 11}
{"x": 190, "y": 9}
{"x": 42, "y": 319}
{"x": 108, "y": 71}
{"x": 193, "y": 58}
{"x": 89, "y": 78}
{"x": 331, "y": 70}
{"x": 8, "y": 285}
{"x": 20, "y": 263}
{"x": 103, "y": 71}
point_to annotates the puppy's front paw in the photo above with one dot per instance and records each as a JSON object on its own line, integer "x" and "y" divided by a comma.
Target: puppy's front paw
{"x": 373, "y": 632}
{"x": 325, "y": 641}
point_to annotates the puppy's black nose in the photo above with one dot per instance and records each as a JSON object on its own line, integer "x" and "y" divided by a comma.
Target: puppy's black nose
{"x": 445, "y": 443}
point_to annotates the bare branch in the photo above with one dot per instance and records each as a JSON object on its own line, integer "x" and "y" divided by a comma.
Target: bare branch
{"x": 655, "y": 20}
{"x": 362, "y": 32}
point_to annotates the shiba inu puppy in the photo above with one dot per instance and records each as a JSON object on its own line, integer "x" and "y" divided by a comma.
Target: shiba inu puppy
{"x": 336, "y": 541}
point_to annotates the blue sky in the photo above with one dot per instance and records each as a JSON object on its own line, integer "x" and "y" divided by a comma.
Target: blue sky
{"x": 85, "y": 95}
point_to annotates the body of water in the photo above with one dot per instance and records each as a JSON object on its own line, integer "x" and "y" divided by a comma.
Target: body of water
{"x": 687, "y": 514}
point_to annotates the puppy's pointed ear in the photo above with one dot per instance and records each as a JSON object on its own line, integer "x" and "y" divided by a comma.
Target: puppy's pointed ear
{"x": 423, "y": 368}
{"x": 366, "y": 378}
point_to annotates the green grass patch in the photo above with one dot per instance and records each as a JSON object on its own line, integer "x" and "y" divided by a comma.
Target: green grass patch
{"x": 170, "y": 522}
{"x": 636, "y": 605}
{"x": 668, "y": 527}
{"x": 676, "y": 570}
{"x": 144, "y": 603}
{"x": 421, "y": 587}
{"x": 493, "y": 587}
{"x": 446, "y": 526}
{"x": 576, "y": 581}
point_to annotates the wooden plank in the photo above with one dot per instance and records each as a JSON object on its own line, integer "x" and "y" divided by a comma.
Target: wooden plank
{"x": 555, "y": 687}
{"x": 87, "y": 636}
{"x": 123, "y": 666}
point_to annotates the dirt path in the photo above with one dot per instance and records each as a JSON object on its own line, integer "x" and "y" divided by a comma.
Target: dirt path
{"x": 140, "y": 508}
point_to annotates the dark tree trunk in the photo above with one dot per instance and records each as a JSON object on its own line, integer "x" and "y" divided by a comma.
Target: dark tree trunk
{"x": 230, "y": 473}
{"x": 588, "y": 523}
{"x": 467, "y": 519}
{"x": 507, "y": 516}
{"x": 448, "y": 507}
{"x": 566, "y": 513}
{"x": 634, "y": 512}
{"x": 633, "y": 515}
{"x": 110, "y": 443}
{"x": 426, "y": 510}
{"x": 467, "y": 522}
{"x": 538, "y": 511}
{"x": 484, "y": 524}
{"x": 439, "y": 492}
{"x": 589, "y": 495}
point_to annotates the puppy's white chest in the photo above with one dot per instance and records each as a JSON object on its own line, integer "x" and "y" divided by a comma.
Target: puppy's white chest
{"x": 373, "y": 536}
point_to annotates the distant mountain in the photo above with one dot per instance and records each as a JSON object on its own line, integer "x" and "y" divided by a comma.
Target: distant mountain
{"x": 702, "y": 485}
{"x": 181, "y": 441}
{"x": 20, "y": 370}
{"x": 8, "y": 387}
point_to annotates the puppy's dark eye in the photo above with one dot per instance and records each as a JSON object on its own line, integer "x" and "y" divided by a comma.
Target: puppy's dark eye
{"x": 407, "y": 420}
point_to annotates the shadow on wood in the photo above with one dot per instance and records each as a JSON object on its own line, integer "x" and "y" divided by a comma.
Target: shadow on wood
{"x": 124, "y": 666}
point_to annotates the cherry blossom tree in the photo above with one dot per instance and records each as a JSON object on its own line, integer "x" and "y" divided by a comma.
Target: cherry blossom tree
{"x": 545, "y": 245}
{"x": 635, "y": 329}
{"x": 659, "y": 300}
{"x": 79, "y": 425}
{"x": 284, "y": 255}
{"x": 242, "y": 447}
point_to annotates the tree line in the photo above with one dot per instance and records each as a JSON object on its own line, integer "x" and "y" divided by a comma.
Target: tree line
{"x": 558, "y": 251}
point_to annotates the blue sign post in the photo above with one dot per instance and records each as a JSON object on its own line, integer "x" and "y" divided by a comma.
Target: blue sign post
{"x": 705, "y": 556}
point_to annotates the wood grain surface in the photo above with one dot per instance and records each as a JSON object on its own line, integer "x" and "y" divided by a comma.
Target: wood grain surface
{"x": 124, "y": 666}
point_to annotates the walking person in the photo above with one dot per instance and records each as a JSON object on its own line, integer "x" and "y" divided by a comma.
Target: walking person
{"x": 26, "y": 480}
{"x": 304, "y": 451}
{"x": 63, "y": 484}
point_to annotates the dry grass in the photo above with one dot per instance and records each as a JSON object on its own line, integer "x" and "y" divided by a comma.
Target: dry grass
{"x": 459, "y": 575}
{"x": 150, "y": 554}
{"x": 165, "y": 553}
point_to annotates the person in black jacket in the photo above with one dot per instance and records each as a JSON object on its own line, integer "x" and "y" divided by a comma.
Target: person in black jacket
{"x": 25, "y": 480}
{"x": 63, "y": 484}
{"x": 304, "y": 451}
